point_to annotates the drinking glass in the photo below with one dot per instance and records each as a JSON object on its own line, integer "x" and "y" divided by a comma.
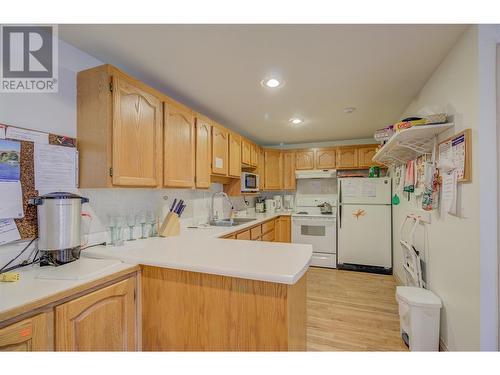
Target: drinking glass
{"x": 121, "y": 224}
{"x": 131, "y": 226}
{"x": 141, "y": 218}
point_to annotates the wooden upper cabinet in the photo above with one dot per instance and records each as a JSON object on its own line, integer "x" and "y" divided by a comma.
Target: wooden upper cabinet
{"x": 325, "y": 158}
{"x": 179, "y": 147}
{"x": 103, "y": 320}
{"x": 273, "y": 173}
{"x": 261, "y": 168}
{"x": 220, "y": 149}
{"x": 254, "y": 155}
{"x": 347, "y": 157}
{"x": 246, "y": 152}
{"x": 137, "y": 130}
{"x": 235, "y": 155}
{"x": 289, "y": 181}
{"x": 365, "y": 156}
{"x": 27, "y": 335}
{"x": 203, "y": 152}
{"x": 304, "y": 159}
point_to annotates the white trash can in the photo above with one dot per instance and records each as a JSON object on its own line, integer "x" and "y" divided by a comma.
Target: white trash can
{"x": 419, "y": 312}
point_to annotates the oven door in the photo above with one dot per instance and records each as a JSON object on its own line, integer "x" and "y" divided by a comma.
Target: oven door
{"x": 319, "y": 232}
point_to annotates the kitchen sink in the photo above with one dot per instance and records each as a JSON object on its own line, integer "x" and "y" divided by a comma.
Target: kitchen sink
{"x": 231, "y": 222}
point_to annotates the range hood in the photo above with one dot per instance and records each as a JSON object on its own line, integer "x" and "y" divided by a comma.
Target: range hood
{"x": 316, "y": 173}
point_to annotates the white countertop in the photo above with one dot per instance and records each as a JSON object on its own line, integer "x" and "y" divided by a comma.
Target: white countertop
{"x": 200, "y": 250}
{"x": 38, "y": 283}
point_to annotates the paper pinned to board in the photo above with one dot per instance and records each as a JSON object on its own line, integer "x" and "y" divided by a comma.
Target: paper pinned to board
{"x": 8, "y": 231}
{"x": 26, "y": 135}
{"x": 2, "y": 131}
{"x": 11, "y": 200}
{"x": 55, "y": 167}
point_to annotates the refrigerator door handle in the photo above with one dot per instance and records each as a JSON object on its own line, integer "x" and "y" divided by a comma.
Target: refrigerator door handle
{"x": 340, "y": 216}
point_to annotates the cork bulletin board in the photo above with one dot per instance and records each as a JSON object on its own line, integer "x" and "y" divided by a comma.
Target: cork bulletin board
{"x": 27, "y": 226}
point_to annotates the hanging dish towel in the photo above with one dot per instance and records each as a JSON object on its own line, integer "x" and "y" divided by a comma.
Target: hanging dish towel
{"x": 409, "y": 186}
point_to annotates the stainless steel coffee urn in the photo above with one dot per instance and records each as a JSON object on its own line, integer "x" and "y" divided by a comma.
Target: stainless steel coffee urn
{"x": 59, "y": 221}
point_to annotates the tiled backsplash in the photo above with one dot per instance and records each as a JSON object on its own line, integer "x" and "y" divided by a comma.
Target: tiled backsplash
{"x": 104, "y": 203}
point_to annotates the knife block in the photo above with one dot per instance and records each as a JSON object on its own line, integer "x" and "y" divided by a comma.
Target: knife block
{"x": 171, "y": 226}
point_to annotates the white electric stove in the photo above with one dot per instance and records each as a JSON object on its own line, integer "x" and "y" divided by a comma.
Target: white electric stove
{"x": 310, "y": 226}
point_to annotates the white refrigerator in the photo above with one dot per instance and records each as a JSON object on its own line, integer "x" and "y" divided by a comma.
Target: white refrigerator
{"x": 365, "y": 224}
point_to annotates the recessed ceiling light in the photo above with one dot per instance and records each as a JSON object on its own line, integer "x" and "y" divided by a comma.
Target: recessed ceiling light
{"x": 296, "y": 121}
{"x": 349, "y": 109}
{"x": 272, "y": 83}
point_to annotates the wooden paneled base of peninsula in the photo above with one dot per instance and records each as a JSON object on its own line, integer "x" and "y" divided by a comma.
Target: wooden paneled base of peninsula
{"x": 196, "y": 311}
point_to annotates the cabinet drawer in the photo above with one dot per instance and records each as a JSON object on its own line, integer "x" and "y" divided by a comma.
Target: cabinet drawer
{"x": 269, "y": 236}
{"x": 243, "y": 235}
{"x": 255, "y": 232}
{"x": 267, "y": 226}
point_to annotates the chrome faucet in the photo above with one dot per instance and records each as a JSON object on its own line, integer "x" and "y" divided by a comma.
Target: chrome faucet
{"x": 214, "y": 217}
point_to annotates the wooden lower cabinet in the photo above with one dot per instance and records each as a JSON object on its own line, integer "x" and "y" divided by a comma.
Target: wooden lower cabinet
{"x": 193, "y": 311}
{"x": 101, "y": 316}
{"x": 103, "y": 320}
{"x": 283, "y": 229}
{"x": 274, "y": 230}
{"x": 28, "y": 335}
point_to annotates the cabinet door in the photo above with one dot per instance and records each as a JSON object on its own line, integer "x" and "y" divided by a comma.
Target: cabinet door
{"x": 220, "y": 146}
{"x": 179, "y": 147}
{"x": 203, "y": 152}
{"x": 246, "y": 152}
{"x": 325, "y": 158}
{"x": 254, "y": 155}
{"x": 243, "y": 235}
{"x": 104, "y": 320}
{"x": 261, "y": 169}
{"x": 273, "y": 170}
{"x": 286, "y": 229}
{"x": 137, "y": 136}
{"x": 27, "y": 335}
{"x": 289, "y": 170}
{"x": 347, "y": 157}
{"x": 365, "y": 156}
{"x": 234, "y": 155}
{"x": 304, "y": 159}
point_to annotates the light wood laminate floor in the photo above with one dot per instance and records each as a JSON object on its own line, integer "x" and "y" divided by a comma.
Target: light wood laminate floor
{"x": 351, "y": 311}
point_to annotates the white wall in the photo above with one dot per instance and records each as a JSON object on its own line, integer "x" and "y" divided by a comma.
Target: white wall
{"x": 56, "y": 112}
{"x": 451, "y": 243}
{"x": 488, "y": 37}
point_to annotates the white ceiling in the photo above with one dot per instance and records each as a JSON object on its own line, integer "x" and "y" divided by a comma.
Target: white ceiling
{"x": 217, "y": 70}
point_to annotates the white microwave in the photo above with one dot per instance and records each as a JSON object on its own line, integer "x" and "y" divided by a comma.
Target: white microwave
{"x": 249, "y": 182}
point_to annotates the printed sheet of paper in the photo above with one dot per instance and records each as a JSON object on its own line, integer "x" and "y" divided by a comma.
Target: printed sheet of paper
{"x": 55, "y": 167}
{"x": 27, "y": 135}
{"x": 8, "y": 231}
{"x": 369, "y": 188}
{"x": 10, "y": 159}
{"x": 11, "y": 200}
{"x": 449, "y": 193}
{"x": 349, "y": 189}
{"x": 2, "y": 131}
